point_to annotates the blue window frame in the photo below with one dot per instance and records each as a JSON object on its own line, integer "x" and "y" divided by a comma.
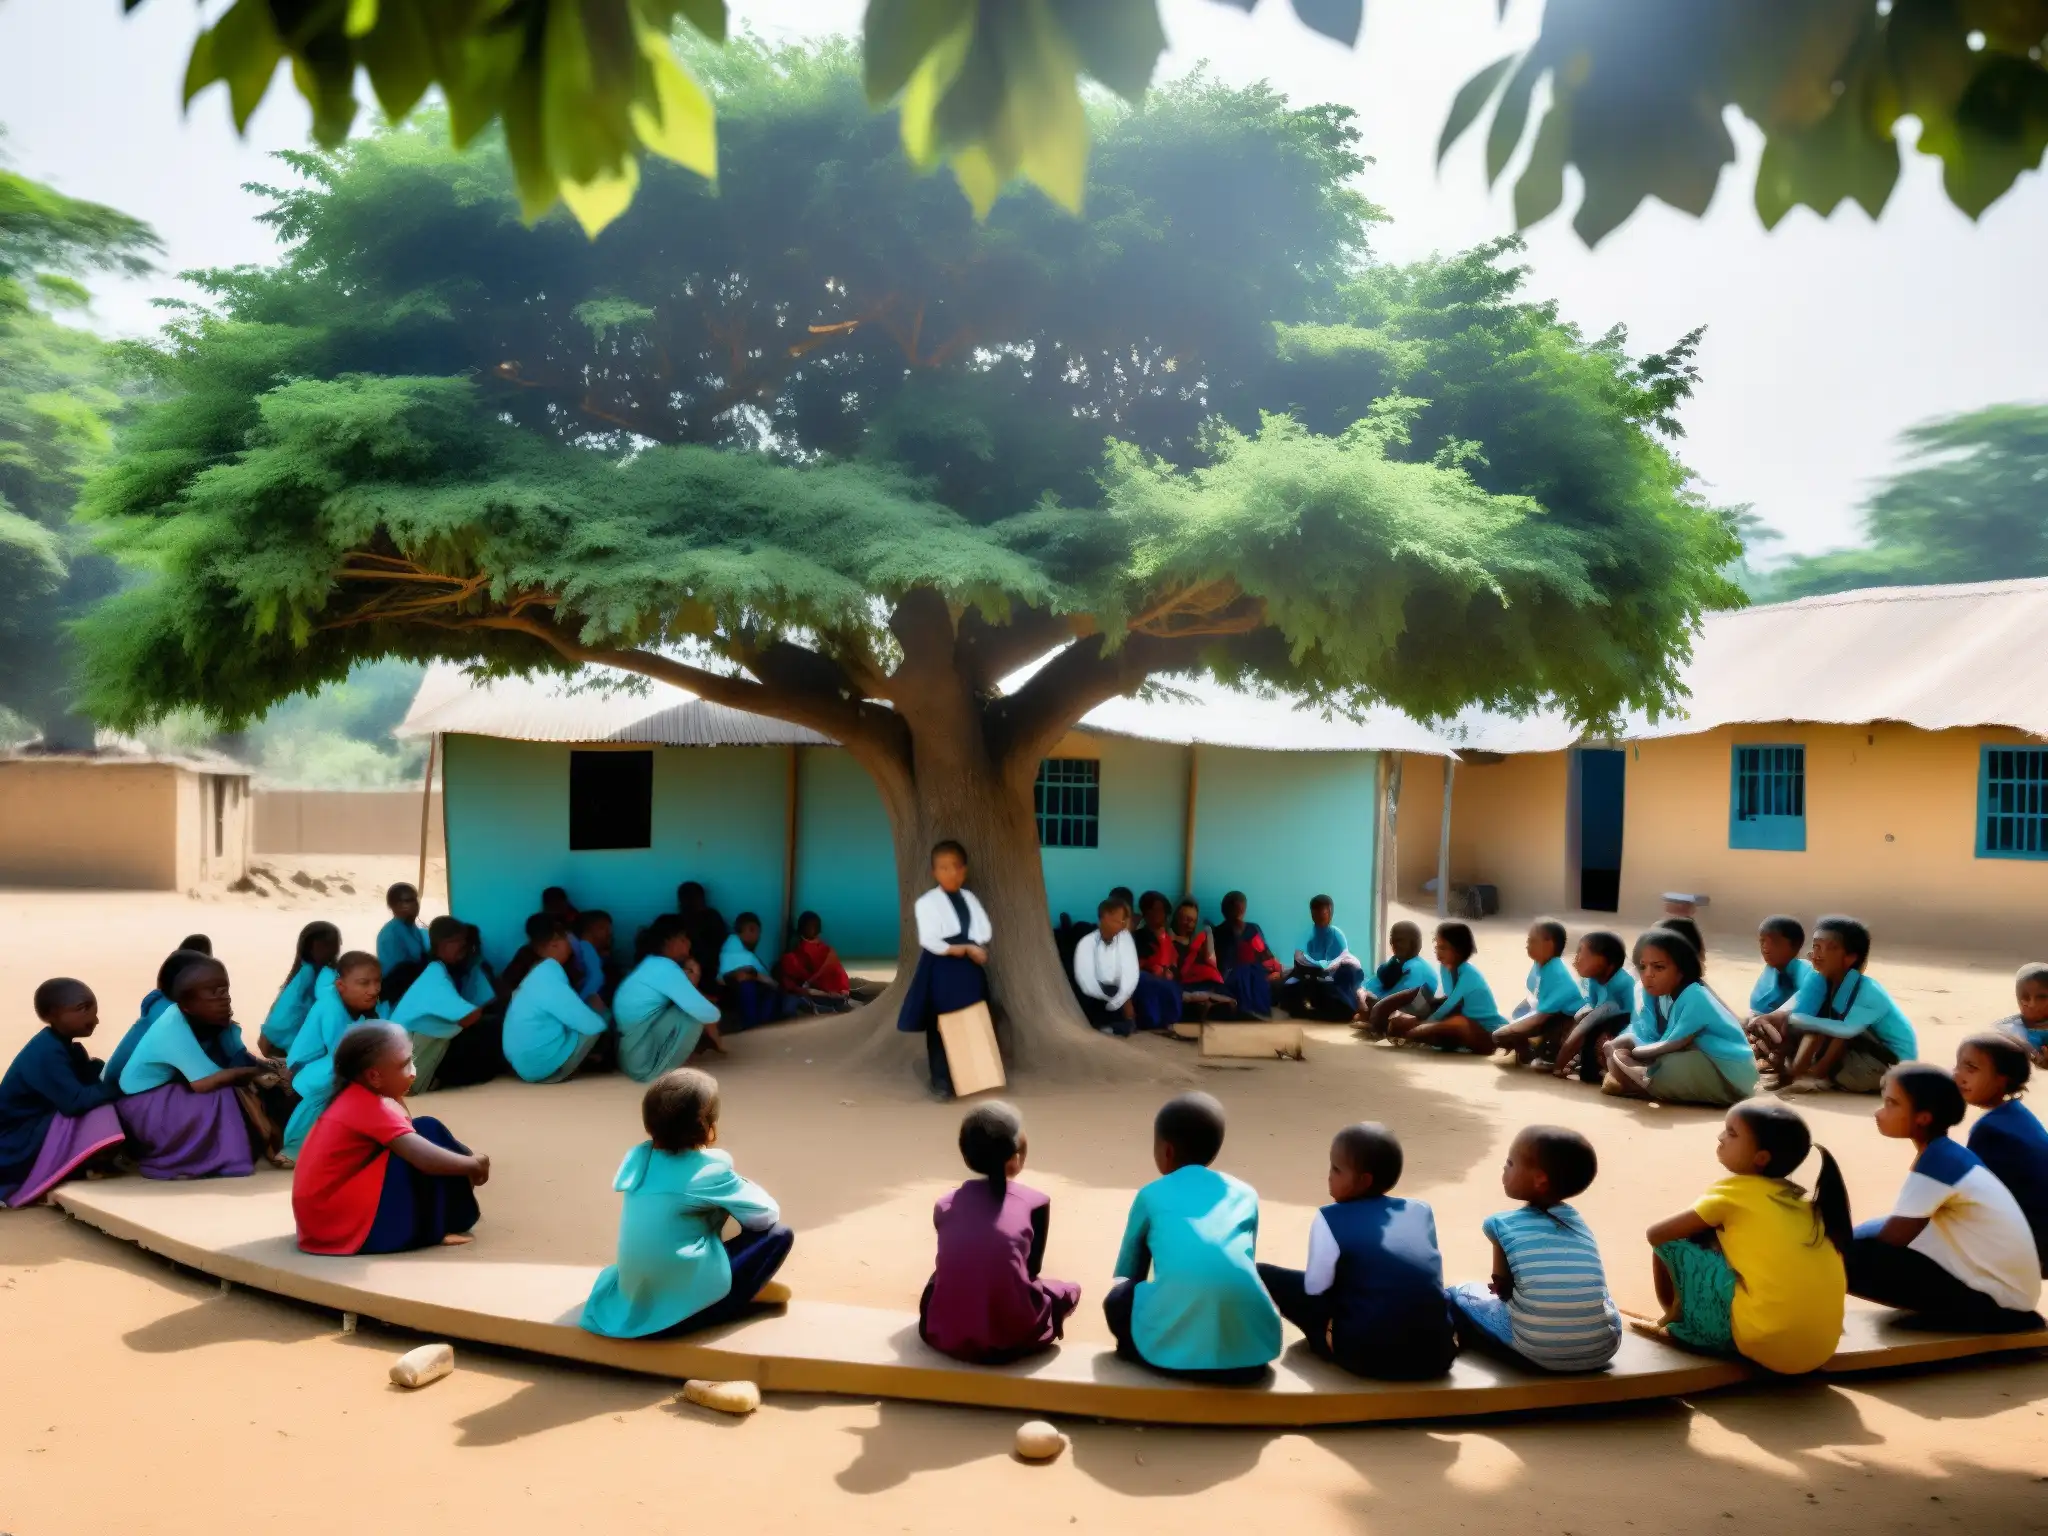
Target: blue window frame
{"x": 1069, "y": 801}
{"x": 2012, "y": 803}
{"x": 1767, "y": 803}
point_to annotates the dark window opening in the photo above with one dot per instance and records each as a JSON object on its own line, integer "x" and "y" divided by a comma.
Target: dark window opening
{"x": 611, "y": 800}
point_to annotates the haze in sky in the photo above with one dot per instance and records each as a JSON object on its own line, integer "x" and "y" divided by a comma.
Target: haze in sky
{"x": 1824, "y": 338}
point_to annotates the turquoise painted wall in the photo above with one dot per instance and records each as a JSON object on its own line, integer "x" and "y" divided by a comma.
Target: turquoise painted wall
{"x": 1283, "y": 826}
{"x": 846, "y": 858}
{"x": 1144, "y": 822}
{"x": 718, "y": 818}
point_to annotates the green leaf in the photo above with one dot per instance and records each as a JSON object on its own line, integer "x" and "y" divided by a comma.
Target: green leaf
{"x": 1338, "y": 19}
{"x": 1511, "y": 115}
{"x": 900, "y": 38}
{"x": 707, "y": 16}
{"x": 362, "y": 17}
{"x": 1540, "y": 188}
{"x": 1472, "y": 97}
{"x": 2001, "y": 130}
{"x": 681, "y": 125}
{"x": 929, "y": 82}
{"x": 1119, "y": 41}
{"x": 399, "y": 57}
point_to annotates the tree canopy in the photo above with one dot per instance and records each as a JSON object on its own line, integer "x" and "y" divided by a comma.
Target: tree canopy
{"x": 1637, "y": 93}
{"x": 1971, "y": 504}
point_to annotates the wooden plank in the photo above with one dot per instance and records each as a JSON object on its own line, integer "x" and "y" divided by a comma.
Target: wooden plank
{"x": 1253, "y": 1040}
{"x": 971, "y": 1052}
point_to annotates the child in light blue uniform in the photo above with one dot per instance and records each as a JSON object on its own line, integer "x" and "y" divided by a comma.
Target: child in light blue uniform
{"x": 2030, "y": 1024}
{"x": 1465, "y": 1018}
{"x": 673, "y": 1275}
{"x": 1327, "y": 982}
{"x": 549, "y": 1030}
{"x": 445, "y": 999}
{"x": 312, "y": 973}
{"x": 1844, "y": 1031}
{"x": 1403, "y": 981}
{"x": 1188, "y": 1300}
{"x": 1700, "y": 1055}
{"x": 1555, "y": 999}
{"x": 1610, "y": 1004}
{"x": 344, "y": 1003}
{"x": 402, "y": 941}
{"x": 658, "y": 1011}
{"x": 591, "y": 938}
{"x": 750, "y": 980}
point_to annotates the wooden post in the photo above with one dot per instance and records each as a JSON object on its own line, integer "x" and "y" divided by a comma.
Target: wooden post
{"x": 427, "y": 809}
{"x": 1187, "y": 835}
{"x": 1443, "y": 845}
{"x": 1384, "y": 886}
{"x": 789, "y": 820}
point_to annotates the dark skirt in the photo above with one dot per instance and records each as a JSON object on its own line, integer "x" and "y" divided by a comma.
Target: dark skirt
{"x": 474, "y": 1055}
{"x": 1159, "y": 1002}
{"x": 757, "y": 1002}
{"x": 69, "y": 1143}
{"x": 941, "y": 984}
{"x": 178, "y": 1134}
{"x": 1251, "y": 988}
{"x": 417, "y": 1210}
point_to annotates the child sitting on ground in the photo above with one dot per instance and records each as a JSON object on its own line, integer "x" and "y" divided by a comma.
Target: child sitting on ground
{"x": 1991, "y": 1073}
{"x": 443, "y": 1011}
{"x": 1106, "y": 970}
{"x": 1956, "y": 1249}
{"x": 373, "y": 1179}
{"x": 195, "y": 1101}
{"x": 1159, "y": 998}
{"x": 56, "y": 1115}
{"x": 1755, "y": 1267}
{"x": 312, "y": 973}
{"x": 355, "y": 996}
{"x": 1188, "y": 1300}
{"x": 658, "y": 1011}
{"x": 2030, "y": 1023}
{"x": 986, "y": 1301}
{"x": 1555, "y": 998}
{"x": 1249, "y": 967}
{"x": 549, "y": 1030}
{"x": 1327, "y": 981}
{"x": 1841, "y": 1029}
{"x": 402, "y": 941}
{"x": 1372, "y": 1297}
{"x": 1404, "y": 982}
{"x": 673, "y": 1275}
{"x": 1779, "y": 940}
{"x": 156, "y": 997}
{"x": 1201, "y": 979}
{"x": 592, "y": 944}
{"x": 953, "y": 935}
{"x": 155, "y": 1003}
{"x": 1547, "y": 1304}
{"x": 810, "y": 970}
{"x": 748, "y": 979}
{"x": 1466, "y": 1016}
{"x": 1610, "y": 1005}
{"x": 1700, "y": 1054}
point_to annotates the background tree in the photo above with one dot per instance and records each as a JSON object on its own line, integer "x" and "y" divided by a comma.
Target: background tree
{"x": 57, "y": 391}
{"x": 1970, "y": 505}
{"x": 1637, "y": 92}
{"x": 824, "y": 447}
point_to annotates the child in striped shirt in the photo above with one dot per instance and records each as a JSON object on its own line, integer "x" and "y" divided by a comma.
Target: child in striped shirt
{"x": 1547, "y": 1304}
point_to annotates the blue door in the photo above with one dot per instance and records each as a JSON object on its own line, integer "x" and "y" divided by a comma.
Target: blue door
{"x": 1601, "y": 783}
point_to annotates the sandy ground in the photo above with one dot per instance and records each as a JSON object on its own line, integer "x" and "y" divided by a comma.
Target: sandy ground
{"x": 118, "y": 1362}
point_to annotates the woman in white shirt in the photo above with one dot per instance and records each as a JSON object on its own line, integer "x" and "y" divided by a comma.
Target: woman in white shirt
{"x": 953, "y": 934}
{"x": 1106, "y": 970}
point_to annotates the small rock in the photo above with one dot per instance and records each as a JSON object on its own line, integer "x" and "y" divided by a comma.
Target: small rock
{"x": 428, "y": 1363}
{"x": 723, "y": 1396}
{"x": 1039, "y": 1441}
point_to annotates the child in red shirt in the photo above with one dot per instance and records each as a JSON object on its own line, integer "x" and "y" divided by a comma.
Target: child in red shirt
{"x": 370, "y": 1178}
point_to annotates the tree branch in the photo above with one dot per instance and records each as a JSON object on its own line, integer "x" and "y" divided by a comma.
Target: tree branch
{"x": 1030, "y": 722}
{"x": 987, "y": 653}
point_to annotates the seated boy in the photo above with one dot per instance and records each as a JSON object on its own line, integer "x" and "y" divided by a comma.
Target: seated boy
{"x": 1188, "y": 1300}
{"x": 1327, "y": 981}
{"x": 749, "y": 980}
{"x": 402, "y": 941}
{"x": 1555, "y": 998}
{"x": 811, "y": 972}
{"x": 1372, "y": 1298}
{"x": 592, "y": 943}
{"x": 1106, "y": 970}
{"x": 1610, "y": 1004}
{"x": 1841, "y": 1029}
{"x": 2030, "y": 1024}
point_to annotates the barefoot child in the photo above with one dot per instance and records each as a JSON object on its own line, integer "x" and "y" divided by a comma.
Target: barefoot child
{"x": 355, "y": 996}
{"x": 953, "y": 935}
{"x": 1779, "y": 940}
{"x": 986, "y": 1301}
{"x": 2030, "y": 1023}
{"x": 1404, "y": 982}
{"x": 1547, "y": 1304}
{"x": 373, "y": 1179}
{"x": 1327, "y": 981}
{"x": 1610, "y": 1005}
{"x": 190, "y": 1094}
{"x": 1106, "y": 970}
{"x": 1188, "y": 1300}
{"x": 402, "y": 941}
{"x": 673, "y": 1275}
{"x": 442, "y": 1005}
{"x": 549, "y": 1030}
{"x": 1554, "y": 999}
{"x": 1991, "y": 1073}
{"x": 1755, "y": 1267}
{"x": 1372, "y": 1297}
{"x": 56, "y": 1115}
{"x": 1956, "y": 1249}
{"x": 659, "y": 1013}
{"x": 312, "y": 973}
{"x": 1466, "y": 1016}
{"x": 749, "y": 981}
{"x": 810, "y": 970}
{"x": 1699, "y": 1054}
{"x": 1842, "y": 1029}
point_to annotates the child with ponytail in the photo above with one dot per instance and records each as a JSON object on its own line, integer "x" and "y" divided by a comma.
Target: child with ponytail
{"x": 1755, "y": 1267}
{"x": 986, "y": 1302}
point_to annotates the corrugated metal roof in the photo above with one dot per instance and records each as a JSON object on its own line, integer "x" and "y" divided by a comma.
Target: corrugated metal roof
{"x": 1203, "y": 712}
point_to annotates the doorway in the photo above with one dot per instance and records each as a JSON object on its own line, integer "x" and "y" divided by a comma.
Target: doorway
{"x": 1601, "y": 780}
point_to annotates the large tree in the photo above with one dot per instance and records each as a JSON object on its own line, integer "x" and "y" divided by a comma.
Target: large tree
{"x": 824, "y": 447}
{"x": 58, "y": 390}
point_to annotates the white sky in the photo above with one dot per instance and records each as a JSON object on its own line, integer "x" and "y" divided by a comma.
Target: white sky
{"x": 1824, "y": 339}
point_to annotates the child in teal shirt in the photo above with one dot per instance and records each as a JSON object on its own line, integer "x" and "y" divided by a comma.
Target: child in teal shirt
{"x": 1545, "y": 1016}
{"x": 1188, "y": 1300}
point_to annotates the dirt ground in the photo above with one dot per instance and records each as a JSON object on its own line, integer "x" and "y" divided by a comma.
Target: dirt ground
{"x": 118, "y": 1363}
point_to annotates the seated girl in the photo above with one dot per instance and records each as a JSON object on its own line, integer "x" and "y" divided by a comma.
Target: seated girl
{"x": 549, "y": 1030}
{"x": 2030, "y": 1024}
{"x": 749, "y": 980}
{"x": 444, "y": 1012}
{"x": 1841, "y": 1029}
{"x": 354, "y": 997}
{"x": 1700, "y": 1054}
{"x": 1195, "y": 969}
{"x": 194, "y": 943}
{"x": 659, "y": 1013}
{"x": 1249, "y": 967}
{"x": 311, "y": 973}
{"x": 402, "y": 941}
{"x": 1555, "y": 999}
{"x": 56, "y": 1115}
{"x": 1991, "y": 1073}
{"x": 1327, "y": 981}
{"x": 810, "y": 971}
{"x": 192, "y": 1094}
{"x": 1610, "y": 1005}
{"x": 1404, "y": 982}
{"x": 986, "y": 1301}
{"x": 1466, "y": 1016}
{"x": 673, "y": 1275}
{"x": 1160, "y": 1001}
{"x": 152, "y": 1005}
{"x": 1956, "y": 1251}
{"x": 373, "y": 1179}
{"x": 1755, "y": 1267}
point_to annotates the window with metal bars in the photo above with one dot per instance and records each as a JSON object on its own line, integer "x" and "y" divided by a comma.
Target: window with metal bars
{"x": 2012, "y": 803}
{"x": 1069, "y": 802}
{"x": 1767, "y": 804}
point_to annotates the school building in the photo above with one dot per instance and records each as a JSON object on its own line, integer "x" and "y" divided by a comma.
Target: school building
{"x": 123, "y": 818}
{"x": 619, "y": 794}
{"x": 1881, "y": 752}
